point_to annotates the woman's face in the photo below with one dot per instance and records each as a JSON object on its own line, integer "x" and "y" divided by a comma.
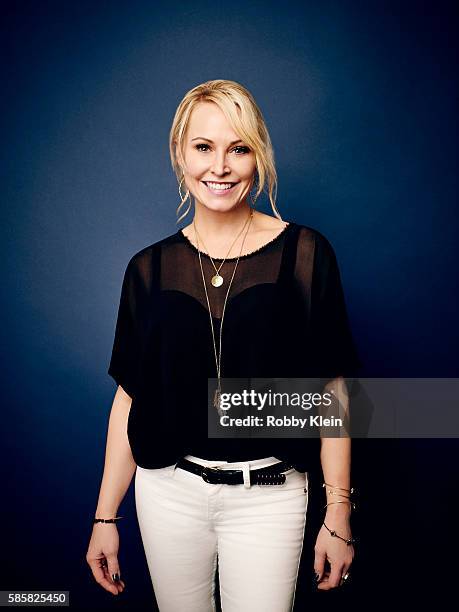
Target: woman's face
{"x": 215, "y": 157}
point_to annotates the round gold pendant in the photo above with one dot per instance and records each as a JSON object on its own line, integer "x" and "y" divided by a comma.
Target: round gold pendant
{"x": 217, "y": 280}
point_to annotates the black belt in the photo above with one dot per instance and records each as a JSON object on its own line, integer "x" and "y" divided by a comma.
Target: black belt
{"x": 270, "y": 475}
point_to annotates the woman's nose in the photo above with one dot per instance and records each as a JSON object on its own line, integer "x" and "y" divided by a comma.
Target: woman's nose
{"x": 220, "y": 165}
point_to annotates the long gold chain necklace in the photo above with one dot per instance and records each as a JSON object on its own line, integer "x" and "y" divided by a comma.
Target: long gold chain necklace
{"x": 217, "y": 279}
{"x": 218, "y": 359}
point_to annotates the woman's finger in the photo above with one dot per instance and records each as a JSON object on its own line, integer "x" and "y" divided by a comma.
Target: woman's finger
{"x": 120, "y": 584}
{"x": 113, "y": 568}
{"x": 331, "y": 578}
{"x": 335, "y": 575}
{"x": 319, "y": 563}
{"x": 100, "y": 577}
{"x": 345, "y": 572}
{"x": 323, "y": 584}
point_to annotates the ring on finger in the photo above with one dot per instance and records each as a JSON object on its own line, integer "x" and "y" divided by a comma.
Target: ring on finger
{"x": 345, "y": 577}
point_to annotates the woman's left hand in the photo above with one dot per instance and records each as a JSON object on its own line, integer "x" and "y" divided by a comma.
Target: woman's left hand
{"x": 334, "y": 550}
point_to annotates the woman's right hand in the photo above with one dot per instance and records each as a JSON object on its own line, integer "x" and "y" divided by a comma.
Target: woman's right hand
{"x": 102, "y": 556}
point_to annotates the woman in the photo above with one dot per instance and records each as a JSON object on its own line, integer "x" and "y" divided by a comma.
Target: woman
{"x": 236, "y": 293}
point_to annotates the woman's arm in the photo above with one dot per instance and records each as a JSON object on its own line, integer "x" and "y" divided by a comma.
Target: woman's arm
{"x": 335, "y": 456}
{"x": 102, "y": 555}
{"x": 119, "y": 465}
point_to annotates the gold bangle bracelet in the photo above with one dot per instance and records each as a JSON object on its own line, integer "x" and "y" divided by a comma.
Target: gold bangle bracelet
{"x": 353, "y": 506}
{"x": 325, "y": 484}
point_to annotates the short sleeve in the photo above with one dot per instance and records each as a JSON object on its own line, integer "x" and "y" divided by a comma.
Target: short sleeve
{"x": 124, "y": 361}
{"x": 335, "y": 350}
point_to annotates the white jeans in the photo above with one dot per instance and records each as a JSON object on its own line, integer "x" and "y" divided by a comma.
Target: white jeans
{"x": 257, "y": 533}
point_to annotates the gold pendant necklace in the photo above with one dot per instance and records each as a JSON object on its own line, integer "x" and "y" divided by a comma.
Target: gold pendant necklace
{"x": 217, "y": 278}
{"x": 218, "y": 359}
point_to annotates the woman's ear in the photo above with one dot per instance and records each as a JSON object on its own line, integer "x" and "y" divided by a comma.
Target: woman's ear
{"x": 178, "y": 156}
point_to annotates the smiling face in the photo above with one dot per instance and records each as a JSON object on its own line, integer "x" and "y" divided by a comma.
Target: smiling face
{"x": 218, "y": 167}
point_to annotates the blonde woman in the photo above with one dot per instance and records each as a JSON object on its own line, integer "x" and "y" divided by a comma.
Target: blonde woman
{"x": 234, "y": 293}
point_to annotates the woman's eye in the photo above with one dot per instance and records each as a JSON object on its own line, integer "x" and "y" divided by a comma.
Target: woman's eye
{"x": 242, "y": 150}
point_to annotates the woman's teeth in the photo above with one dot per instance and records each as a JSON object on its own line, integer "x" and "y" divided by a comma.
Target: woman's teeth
{"x": 220, "y": 186}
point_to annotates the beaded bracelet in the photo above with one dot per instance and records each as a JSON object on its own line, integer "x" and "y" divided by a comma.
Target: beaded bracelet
{"x": 333, "y": 533}
{"x": 112, "y": 520}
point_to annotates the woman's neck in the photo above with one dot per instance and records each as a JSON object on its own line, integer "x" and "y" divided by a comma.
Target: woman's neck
{"x": 217, "y": 224}
{"x": 262, "y": 229}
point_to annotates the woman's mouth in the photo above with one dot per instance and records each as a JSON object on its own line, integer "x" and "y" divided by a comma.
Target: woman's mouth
{"x": 220, "y": 189}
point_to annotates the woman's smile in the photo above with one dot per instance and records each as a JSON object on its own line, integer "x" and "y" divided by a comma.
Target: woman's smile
{"x": 219, "y": 188}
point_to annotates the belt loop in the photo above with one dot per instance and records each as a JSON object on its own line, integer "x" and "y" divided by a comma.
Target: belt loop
{"x": 246, "y": 474}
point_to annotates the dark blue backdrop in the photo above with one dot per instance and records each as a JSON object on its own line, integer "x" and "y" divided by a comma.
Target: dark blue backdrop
{"x": 359, "y": 98}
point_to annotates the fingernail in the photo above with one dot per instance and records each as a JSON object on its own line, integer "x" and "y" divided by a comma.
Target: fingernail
{"x": 115, "y": 577}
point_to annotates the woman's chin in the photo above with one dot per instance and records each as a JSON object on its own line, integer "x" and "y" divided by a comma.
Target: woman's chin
{"x": 219, "y": 206}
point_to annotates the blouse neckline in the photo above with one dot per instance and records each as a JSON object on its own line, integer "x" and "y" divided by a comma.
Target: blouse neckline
{"x": 246, "y": 255}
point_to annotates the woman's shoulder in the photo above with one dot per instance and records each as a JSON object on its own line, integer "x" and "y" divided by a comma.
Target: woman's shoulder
{"x": 313, "y": 237}
{"x": 147, "y": 254}
{"x": 305, "y": 232}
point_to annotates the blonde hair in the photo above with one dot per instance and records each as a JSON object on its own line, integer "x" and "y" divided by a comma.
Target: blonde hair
{"x": 249, "y": 125}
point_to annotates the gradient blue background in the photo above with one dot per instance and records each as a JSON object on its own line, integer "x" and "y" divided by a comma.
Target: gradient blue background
{"x": 360, "y": 101}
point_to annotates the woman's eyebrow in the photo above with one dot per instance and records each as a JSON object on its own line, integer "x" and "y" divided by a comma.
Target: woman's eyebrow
{"x": 208, "y": 140}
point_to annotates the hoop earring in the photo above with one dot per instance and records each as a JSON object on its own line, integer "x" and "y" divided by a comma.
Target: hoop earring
{"x": 252, "y": 198}
{"x": 183, "y": 199}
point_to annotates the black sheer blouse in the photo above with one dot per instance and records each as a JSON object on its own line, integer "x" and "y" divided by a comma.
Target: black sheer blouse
{"x": 285, "y": 317}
